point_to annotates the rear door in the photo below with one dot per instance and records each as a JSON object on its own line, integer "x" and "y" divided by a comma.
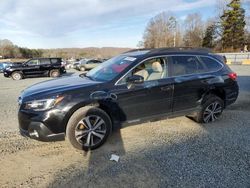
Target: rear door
{"x": 45, "y": 66}
{"x": 190, "y": 81}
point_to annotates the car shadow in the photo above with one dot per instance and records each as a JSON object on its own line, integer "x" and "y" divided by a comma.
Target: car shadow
{"x": 203, "y": 160}
{"x": 68, "y": 74}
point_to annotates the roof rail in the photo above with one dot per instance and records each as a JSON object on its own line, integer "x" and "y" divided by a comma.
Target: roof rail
{"x": 204, "y": 50}
{"x": 137, "y": 50}
{"x": 173, "y": 49}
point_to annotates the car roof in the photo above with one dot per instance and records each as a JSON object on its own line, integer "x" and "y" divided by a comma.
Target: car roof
{"x": 46, "y": 58}
{"x": 167, "y": 51}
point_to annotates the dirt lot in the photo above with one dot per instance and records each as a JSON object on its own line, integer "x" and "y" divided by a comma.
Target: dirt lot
{"x": 176, "y": 152}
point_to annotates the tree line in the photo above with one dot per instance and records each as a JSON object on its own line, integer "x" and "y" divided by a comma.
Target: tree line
{"x": 9, "y": 50}
{"x": 226, "y": 31}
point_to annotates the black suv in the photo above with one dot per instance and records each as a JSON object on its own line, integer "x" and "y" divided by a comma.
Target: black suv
{"x": 52, "y": 67}
{"x": 133, "y": 87}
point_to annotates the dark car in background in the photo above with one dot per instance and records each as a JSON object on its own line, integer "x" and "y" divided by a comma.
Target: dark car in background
{"x": 4, "y": 65}
{"x": 52, "y": 67}
{"x": 134, "y": 87}
{"x": 88, "y": 64}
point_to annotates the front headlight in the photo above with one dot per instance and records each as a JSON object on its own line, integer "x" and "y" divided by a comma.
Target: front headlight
{"x": 43, "y": 104}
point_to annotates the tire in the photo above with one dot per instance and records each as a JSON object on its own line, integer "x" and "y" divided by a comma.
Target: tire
{"x": 211, "y": 109}
{"x": 79, "y": 133}
{"x": 54, "y": 73}
{"x": 17, "y": 76}
{"x": 82, "y": 69}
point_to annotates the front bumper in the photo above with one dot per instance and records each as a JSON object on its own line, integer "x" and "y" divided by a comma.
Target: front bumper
{"x": 36, "y": 129}
{"x": 6, "y": 74}
{"x": 39, "y": 131}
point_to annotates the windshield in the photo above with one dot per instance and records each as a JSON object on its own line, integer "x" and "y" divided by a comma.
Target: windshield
{"x": 110, "y": 68}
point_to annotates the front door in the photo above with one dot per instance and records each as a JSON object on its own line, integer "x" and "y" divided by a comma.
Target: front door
{"x": 32, "y": 67}
{"x": 151, "y": 98}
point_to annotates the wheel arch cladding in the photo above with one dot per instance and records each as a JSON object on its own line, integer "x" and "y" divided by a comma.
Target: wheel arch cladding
{"x": 74, "y": 109}
{"x": 219, "y": 92}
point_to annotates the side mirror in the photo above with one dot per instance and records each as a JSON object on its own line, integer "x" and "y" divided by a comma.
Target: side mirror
{"x": 135, "y": 80}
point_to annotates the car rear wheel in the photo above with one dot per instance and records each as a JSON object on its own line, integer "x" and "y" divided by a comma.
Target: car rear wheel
{"x": 88, "y": 128}
{"x": 54, "y": 73}
{"x": 211, "y": 110}
{"x": 16, "y": 76}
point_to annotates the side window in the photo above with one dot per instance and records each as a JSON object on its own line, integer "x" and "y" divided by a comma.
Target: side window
{"x": 44, "y": 61}
{"x": 54, "y": 60}
{"x": 185, "y": 65}
{"x": 153, "y": 69}
{"x": 211, "y": 64}
{"x": 33, "y": 62}
{"x": 91, "y": 62}
{"x": 88, "y": 62}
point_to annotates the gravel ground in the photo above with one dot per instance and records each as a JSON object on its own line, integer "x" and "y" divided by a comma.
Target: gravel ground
{"x": 171, "y": 153}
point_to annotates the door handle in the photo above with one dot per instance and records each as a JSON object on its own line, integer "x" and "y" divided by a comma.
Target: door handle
{"x": 166, "y": 88}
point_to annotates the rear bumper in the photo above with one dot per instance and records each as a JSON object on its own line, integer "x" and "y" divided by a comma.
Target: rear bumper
{"x": 232, "y": 94}
{"x": 63, "y": 70}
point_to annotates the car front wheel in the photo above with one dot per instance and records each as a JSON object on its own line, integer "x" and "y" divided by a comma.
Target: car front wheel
{"x": 88, "y": 128}
{"x": 16, "y": 76}
{"x": 211, "y": 110}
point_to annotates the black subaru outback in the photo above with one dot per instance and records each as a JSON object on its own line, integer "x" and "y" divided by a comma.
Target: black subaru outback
{"x": 136, "y": 86}
{"x": 52, "y": 67}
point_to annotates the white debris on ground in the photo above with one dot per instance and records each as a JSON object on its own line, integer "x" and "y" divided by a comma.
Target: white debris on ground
{"x": 114, "y": 158}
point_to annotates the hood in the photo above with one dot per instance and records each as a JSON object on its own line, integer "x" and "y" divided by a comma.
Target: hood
{"x": 57, "y": 86}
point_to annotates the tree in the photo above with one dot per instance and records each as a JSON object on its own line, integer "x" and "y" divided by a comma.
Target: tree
{"x": 209, "y": 38}
{"x": 233, "y": 26}
{"x": 193, "y": 31}
{"x": 6, "y": 48}
{"x": 161, "y": 31}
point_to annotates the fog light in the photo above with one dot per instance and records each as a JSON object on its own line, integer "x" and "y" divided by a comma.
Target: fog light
{"x": 34, "y": 133}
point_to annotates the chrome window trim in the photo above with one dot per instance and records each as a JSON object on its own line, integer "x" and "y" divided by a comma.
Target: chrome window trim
{"x": 164, "y": 56}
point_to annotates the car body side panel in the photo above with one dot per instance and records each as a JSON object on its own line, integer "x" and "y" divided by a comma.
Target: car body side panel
{"x": 188, "y": 91}
{"x": 147, "y": 99}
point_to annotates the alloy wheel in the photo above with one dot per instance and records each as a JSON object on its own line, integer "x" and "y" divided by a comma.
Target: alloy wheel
{"x": 212, "y": 112}
{"x": 90, "y": 131}
{"x": 17, "y": 76}
{"x": 55, "y": 74}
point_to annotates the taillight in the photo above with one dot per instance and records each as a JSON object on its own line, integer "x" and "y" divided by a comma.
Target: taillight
{"x": 232, "y": 75}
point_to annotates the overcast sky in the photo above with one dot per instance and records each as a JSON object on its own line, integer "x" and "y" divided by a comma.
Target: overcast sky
{"x": 84, "y": 23}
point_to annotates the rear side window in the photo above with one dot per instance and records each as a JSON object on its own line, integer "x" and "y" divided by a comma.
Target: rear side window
{"x": 185, "y": 65}
{"x": 44, "y": 61}
{"x": 211, "y": 64}
{"x": 90, "y": 62}
{"x": 55, "y": 60}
